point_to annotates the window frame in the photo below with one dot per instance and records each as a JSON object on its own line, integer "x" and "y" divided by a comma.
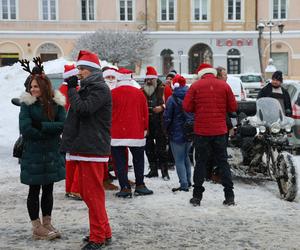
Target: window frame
{"x": 279, "y": 10}
{"x": 226, "y": 5}
{"x": 87, "y": 11}
{"x": 168, "y": 14}
{"x": 41, "y": 14}
{"x": 9, "y": 11}
{"x": 126, "y": 10}
{"x": 193, "y": 11}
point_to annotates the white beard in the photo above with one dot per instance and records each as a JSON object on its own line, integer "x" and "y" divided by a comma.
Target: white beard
{"x": 149, "y": 89}
{"x": 111, "y": 83}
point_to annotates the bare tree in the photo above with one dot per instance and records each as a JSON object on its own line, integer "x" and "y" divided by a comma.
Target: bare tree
{"x": 117, "y": 47}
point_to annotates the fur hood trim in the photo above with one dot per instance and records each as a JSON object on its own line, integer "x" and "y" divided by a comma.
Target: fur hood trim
{"x": 28, "y": 99}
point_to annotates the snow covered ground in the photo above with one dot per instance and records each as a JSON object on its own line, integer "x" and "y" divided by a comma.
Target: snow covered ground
{"x": 260, "y": 220}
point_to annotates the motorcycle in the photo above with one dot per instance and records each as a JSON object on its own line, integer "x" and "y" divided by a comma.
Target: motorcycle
{"x": 270, "y": 153}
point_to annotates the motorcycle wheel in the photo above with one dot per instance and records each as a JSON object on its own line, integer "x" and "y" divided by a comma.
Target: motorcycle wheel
{"x": 286, "y": 177}
{"x": 247, "y": 150}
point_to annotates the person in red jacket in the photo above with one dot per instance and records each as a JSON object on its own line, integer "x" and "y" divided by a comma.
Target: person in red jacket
{"x": 71, "y": 184}
{"x": 129, "y": 128}
{"x": 210, "y": 99}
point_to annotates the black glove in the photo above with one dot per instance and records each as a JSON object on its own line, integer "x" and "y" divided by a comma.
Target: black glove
{"x": 72, "y": 81}
{"x": 36, "y": 124}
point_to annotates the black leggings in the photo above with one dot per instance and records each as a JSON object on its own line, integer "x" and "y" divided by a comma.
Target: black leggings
{"x": 33, "y": 205}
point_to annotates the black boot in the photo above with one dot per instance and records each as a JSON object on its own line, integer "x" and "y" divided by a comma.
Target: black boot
{"x": 197, "y": 196}
{"x": 153, "y": 171}
{"x": 164, "y": 172}
{"x": 229, "y": 198}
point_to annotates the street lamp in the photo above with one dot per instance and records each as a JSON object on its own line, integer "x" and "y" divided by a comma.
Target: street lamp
{"x": 180, "y": 53}
{"x": 270, "y": 25}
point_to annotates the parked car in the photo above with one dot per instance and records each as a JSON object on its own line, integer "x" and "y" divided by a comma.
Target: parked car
{"x": 56, "y": 79}
{"x": 237, "y": 88}
{"x": 293, "y": 88}
{"x": 252, "y": 83}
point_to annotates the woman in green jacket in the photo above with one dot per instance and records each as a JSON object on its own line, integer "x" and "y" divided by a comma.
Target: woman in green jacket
{"x": 41, "y": 123}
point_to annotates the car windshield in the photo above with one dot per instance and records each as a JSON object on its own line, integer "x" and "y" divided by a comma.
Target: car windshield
{"x": 251, "y": 78}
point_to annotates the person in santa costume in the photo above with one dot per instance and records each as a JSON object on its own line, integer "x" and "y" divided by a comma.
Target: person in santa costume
{"x": 86, "y": 140}
{"x": 156, "y": 140}
{"x": 71, "y": 184}
{"x": 129, "y": 127}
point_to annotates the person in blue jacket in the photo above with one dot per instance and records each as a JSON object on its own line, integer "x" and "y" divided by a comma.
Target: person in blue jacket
{"x": 174, "y": 119}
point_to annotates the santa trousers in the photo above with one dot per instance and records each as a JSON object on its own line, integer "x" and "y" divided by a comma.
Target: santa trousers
{"x": 92, "y": 192}
{"x": 71, "y": 177}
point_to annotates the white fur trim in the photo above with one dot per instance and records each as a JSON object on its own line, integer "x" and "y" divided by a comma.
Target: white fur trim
{"x": 109, "y": 72}
{"x": 175, "y": 85}
{"x": 122, "y": 77}
{"x": 151, "y": 76}
{"x": 131, "y": 83}
{"x": 59, "y": 98}
{"x": 88, "y": 63}
{"x": 70, "y": 73}
{"x": 70, "y": 157}
{"x": 207, "y": 71}
{"x": 128, "y": 142}
{"x": 27, "y": 98}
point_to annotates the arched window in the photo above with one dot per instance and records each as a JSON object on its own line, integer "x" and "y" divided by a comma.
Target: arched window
{"x": 167, "y": 61}
{"x": 48, "y": 51}
{"x": 233, "y": 61}
{"x": 199, "y": 53}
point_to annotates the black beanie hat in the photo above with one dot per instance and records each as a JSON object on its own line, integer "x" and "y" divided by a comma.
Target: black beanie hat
{"x": 277, "y": 75}
{"x": 172, "y": 73}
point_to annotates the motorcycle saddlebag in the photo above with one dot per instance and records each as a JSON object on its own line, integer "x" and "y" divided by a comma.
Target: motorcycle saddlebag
{"x": 248, "y": 131}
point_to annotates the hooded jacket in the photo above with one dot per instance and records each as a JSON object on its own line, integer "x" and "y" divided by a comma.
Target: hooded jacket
{"x": 87, "y": 127}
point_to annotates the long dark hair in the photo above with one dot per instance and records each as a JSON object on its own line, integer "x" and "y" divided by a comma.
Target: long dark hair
{"x": 46, "y": 97}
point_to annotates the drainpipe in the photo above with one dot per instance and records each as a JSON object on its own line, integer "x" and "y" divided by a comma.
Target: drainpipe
{"x": 146, "y": 15}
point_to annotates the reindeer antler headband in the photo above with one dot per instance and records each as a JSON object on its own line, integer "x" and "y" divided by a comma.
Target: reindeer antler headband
{"x": 37, "y": 70}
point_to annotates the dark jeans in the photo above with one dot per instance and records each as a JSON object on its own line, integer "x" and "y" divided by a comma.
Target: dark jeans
{"x": 156, "y": 147}
{"x": 33, "y": 204}
{"x": 217, "y": 145}
{"x": 119, "y": 155}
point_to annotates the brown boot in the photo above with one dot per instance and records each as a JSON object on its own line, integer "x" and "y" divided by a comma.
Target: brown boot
{"x": 47, "y": 224}
{"x": 109, "y": 186}
{"x": 39, "y": 232}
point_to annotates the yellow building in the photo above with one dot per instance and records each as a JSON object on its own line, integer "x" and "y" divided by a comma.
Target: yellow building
{"x": 186, "y": 32}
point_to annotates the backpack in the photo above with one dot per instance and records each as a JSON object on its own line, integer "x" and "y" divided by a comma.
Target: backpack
{"x": 188, "y": 126}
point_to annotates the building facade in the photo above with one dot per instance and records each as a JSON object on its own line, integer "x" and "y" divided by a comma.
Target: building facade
{"x": 186, "y": 32}
{"x": 283, "y": 48}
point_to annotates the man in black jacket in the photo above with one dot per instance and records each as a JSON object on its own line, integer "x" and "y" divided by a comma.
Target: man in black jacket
{"x": 274, "y": 90}
{"x": 86, "y": 140}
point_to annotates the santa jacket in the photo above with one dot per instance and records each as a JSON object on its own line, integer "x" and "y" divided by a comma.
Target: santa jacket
{"x": 210, "y": 99}
{"x": 87, "y": 127}
{"x": 129, "y": 116}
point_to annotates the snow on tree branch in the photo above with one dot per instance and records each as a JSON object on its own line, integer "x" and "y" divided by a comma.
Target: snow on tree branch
{"x": 117, "y": 47}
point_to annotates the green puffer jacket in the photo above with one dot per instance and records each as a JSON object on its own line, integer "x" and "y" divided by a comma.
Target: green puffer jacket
{"x": 41, "y": 161}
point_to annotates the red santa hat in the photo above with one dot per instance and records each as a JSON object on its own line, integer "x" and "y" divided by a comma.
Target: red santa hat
{"x": 124, "y": 74}
{"x": 178, "y": 81}
{"x": 110, "y": 72}
{"x": 151, "y": 73}
{"x": 205, "y": 68}
{"x": 87, "y": 58}
{"x": 70, "y": 70}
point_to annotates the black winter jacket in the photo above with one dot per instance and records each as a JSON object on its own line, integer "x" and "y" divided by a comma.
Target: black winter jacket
{"x": 87, "y": 127}
{"x": 267, "y": 92}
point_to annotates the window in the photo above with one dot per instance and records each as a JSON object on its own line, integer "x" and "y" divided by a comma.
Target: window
{"x": 8, "y": 9}
{"x": 200, "y": 10}
{"x": 281, "y": 61}
{"x": 167, "y": 10}
{"x": 279, "y": 9}
{"x": 233, "y": 61}
{"x": 234, "y": 10}
{"x": 87, "y": 10}
{"x": 126, "y": 10}
{"x": 49, "y": 9}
